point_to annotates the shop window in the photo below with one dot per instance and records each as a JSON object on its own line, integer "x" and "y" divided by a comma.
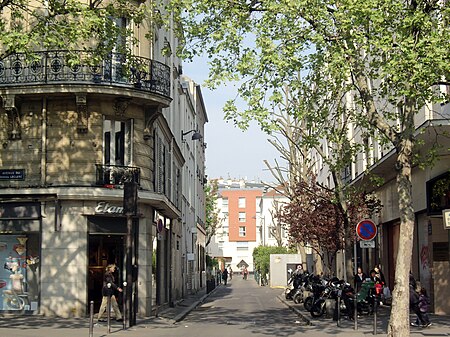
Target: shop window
{"x": 440, "y": 251}
{"x": 438, "y": 194}
{"x": 19, "y": 277}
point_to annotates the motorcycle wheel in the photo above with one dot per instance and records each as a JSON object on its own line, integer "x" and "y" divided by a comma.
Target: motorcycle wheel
{"x": 287, "y": 294}
{"x": 318, "y": 309}
{"x": 298, "y": 298}
{"x": 308, "y": 303}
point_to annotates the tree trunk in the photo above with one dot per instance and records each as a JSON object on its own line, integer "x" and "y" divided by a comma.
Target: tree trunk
{"x": 399, "y": 321}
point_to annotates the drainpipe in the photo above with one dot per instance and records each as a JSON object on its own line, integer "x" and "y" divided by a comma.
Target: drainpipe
{"x": 44, "y": 143}
{"x": 170, "y": 261}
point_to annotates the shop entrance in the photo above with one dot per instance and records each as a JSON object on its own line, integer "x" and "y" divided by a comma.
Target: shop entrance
{"x": 104, "y": 250}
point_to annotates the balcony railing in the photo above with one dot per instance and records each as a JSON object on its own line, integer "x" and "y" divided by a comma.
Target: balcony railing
{"x": 114, "y": 175}
{"x": 71, "y": 67}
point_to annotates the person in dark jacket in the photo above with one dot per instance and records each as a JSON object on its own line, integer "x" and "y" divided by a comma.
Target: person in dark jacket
{"x": 108, "y": 291}
{"x": 423, "y": 305}
{"x": 360, "y": 277}
{"x": 225, "y": 276}
{"x": 414, "y": 301}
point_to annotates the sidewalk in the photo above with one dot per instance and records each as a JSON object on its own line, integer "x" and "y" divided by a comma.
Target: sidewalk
{"x": 365, "y": 324}
{"x": 36, "y": 326}
{"x": 184, "y": 307}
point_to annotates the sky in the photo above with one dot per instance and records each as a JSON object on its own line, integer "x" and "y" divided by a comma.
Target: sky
{"x": 231, "y": 152}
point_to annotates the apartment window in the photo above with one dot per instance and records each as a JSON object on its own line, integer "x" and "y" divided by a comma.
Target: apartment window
{"x": 117, "y": 142}
{"x": 241, "y": 216}
{"x": 225, "y": 205}
{"x": 241, "y": 203}
{"x": 225, "y": 230}
{"x": 242, "y": 245}
{"x": 242, "y": 231}
{"x": 225, "y": 221}
{"x": 160, "y": 165}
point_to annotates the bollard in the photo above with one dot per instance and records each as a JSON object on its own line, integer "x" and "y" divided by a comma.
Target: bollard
{"x": 355, "y": 313}
{"x": 375, "y": 309}
{"x": 108, "y": 310}
{"x": 91, "y": 319}
{"x": 339, "y": 311}
{"x": 124, "y": 305}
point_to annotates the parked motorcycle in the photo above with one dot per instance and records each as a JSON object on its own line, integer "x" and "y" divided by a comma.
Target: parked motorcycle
{"x": 294, "y": 291}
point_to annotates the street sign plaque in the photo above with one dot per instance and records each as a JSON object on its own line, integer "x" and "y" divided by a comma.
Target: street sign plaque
{"x": 366, "y": 230}
{"x": 367, "y": 244}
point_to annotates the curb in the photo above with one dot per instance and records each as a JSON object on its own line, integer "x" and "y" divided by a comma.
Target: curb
{"x": 294, "y": 309}
{"x": 194, "y": 305}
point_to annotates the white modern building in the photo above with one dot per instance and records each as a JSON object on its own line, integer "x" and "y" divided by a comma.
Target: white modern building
{"x": 246, "y": 220}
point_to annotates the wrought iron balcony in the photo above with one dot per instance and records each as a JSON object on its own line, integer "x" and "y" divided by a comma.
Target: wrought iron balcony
{"x": 71, "y": 67}
{"x": 114, "y": 175}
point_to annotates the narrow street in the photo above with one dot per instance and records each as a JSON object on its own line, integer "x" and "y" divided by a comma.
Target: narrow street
{"x": 241, "y": 308}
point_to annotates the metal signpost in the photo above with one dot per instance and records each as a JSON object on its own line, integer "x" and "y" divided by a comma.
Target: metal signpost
{"x": 366, "y": 231}
{"x": 130, "y": 196}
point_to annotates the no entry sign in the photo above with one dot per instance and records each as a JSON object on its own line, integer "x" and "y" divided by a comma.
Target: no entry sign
{"x": 366, "y": 230}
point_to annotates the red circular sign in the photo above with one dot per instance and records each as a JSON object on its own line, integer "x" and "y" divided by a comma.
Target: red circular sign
{"x": 366, "y": 230}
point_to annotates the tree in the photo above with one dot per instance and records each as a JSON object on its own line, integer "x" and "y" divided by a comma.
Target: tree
{"x": 27, "y": 26}
{"x": 384, "y": 56}
{"x": 261, "y": 257}
{"x": 212, "y": 216}
{"x": 315, "y": 218}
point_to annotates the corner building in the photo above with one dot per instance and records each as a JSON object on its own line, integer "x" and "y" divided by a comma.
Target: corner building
{"x": 70, "y": 138}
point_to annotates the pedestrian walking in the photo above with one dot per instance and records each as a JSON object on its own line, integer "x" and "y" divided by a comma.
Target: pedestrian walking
{"x": 230, "y": 272}
{"x": 225, "y": 276}
{"x": 245, "y": 273}
{"x": 108, "y": 291}
{"x": 423, "y": 306}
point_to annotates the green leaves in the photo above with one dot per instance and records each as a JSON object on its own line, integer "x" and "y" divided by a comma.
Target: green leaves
{"x": 71, "y": 24}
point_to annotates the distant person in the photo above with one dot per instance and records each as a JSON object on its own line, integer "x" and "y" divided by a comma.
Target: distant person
{"x": 108, "y": 279}
{"x": 225, "y": 276}
{"x": 245, "y": 273}
{"x": 360, "y": 277}
{"x": 230, "y": 272}
{"x": 379, "y": 274}
{"x": 296, "y": 275}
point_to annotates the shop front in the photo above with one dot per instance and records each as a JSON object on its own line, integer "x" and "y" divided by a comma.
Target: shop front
{"x": 107, "y": 237}
{"x": 20, "y": 228}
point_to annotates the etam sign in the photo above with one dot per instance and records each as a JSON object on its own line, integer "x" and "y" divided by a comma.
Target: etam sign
{"x": 104, "y": 207}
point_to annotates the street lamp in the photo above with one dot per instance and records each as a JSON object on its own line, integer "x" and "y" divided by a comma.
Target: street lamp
{"x": 196, "y": 135}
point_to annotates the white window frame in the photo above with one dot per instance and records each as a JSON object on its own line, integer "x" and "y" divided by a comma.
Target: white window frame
{"x": 242, "y": 217}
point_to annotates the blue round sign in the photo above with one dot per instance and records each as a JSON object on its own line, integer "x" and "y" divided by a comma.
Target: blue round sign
{"x": 366, "y": 230}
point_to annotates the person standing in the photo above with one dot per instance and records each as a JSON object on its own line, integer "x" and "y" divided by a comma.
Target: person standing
{"x": 225, "y": 276}
{"x": 379, "y": 274}
{"x": 108, "y": 278}
{"x": 230, "y": 272}
{"x": 360, "y": 277}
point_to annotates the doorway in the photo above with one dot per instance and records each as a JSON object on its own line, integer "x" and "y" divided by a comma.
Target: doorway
{"x": 104, "y": 250}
